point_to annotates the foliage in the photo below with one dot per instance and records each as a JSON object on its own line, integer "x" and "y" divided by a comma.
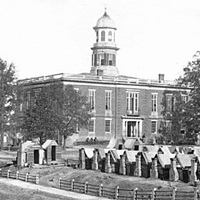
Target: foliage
{"x": 191, "y": 79}
{"x": 7, "y": 96}
{"x": 184, "y": 115}
{"x": 55, "y": 109}
{"x": 173, "y": 111}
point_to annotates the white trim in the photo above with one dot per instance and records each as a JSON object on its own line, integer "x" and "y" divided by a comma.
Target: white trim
{"x": 114, "y": 85}
{"x": 108, "y": 119}
{"x": 138, "y": 126}
{"x": 92, "y": 91}
{"x": 156, "y": 126}
{"x": 92, "y": 133}
{"x": 110, "y": 102}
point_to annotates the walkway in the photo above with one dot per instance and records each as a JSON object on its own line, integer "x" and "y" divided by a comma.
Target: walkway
{"x": 50, "y": 190}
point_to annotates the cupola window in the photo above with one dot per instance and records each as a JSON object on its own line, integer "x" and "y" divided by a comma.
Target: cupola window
{"x": 97, "y": 36}
{"x": 110, "y": 36}
{"x": 110, "y": 62}
{"x": 102, "y": 36}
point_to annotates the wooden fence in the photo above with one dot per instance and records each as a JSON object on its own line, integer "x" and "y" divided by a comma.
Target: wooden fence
{"x": 109, "y": 192}
{"x": 19, "y": 176}
{"x": 128, "y": 194}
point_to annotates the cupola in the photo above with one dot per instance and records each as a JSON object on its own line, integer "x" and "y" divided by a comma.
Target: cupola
{"x": 104, "y": 49}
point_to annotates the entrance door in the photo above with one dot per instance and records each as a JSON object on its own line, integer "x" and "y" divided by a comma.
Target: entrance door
{"x": 36, "y": 156}
{"x": 131, "y": 129}
{"x": 53, "y": 153}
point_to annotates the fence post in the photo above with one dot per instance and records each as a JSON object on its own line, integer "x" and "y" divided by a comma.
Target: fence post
{"x": 154, "y": 193}
{"x": 17, "y": 175}
{"x": 135, "y": 194}
{"x": 174, "y": 194}
{"x": 37, "y": 179}
{"x": 101, "y": 190}
{"x": 8, "y": 174}
{"x": 26, "y": 177}
{"x": 72, "y": 185}
{"x": 117, "y": 192}
{"x": 60, "y": 182}
{"x": 195, "y": 193}
{"x": 86, "y": 187}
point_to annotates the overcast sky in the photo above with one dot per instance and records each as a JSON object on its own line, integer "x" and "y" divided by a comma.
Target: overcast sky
{"x": 44, "y": 37}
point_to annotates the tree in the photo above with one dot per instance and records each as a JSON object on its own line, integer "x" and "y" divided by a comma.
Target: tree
{"x": 191, "y": 80}
{"x": 40, "y": 120}
{"x": 55, "y": 109}
{"x": 7, "y": 95}
{"x": 182, "y": 123}
{"x": 173, "y": 111}
{"x": 74, "y": 112}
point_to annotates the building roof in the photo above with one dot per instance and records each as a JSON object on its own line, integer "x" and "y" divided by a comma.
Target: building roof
{"x": 165, "y": 150}
{"x": 131, "y": 142}
{"x": 148, "y": 156}
{"x": 105, "y": 22}
{"x": 197, "y": 151}
{"x": 131, "y": 156}
{"x": 164, "y": 160}
{"x": 116, "y": 154}
{"x": 89, "y": 152}
{"x": 174, "y": 149}
{"x": 112, "y": 143}
{"x": 185, "y": 159}
{"x": 30, "y": 144}
{"x": 150, "y": 148}
{"x": 49, "y": 143}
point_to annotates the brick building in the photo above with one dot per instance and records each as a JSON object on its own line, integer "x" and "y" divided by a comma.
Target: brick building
{"x": 123, "y": 107}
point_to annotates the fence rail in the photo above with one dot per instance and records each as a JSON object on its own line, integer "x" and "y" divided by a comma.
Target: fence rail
{"x": 110, "y": 192}
{"x": 19, "y": 176}
{"x": 129, "y": 194}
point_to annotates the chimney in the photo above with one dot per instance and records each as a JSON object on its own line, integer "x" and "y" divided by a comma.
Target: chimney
{"x": 161, "y": 78}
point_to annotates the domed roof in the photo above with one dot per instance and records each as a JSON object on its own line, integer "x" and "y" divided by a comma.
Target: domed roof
{"x": 105, "y": 22}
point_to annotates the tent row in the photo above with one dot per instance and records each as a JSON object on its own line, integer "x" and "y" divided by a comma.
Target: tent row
{"x": 31, "y": 153}
{"x": 151, "y": 161}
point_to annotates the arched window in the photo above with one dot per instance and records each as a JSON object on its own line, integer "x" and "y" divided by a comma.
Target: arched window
{"x": 97, "y": 36}
{"x": 102, "y": 35}
{"x": 110, "y": 36}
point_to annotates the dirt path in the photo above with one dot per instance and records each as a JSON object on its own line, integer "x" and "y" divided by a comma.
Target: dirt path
{"x": 19, "y": 190}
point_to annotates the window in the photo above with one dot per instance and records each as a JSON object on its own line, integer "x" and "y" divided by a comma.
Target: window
{"x": 92, "y": 99}
{"x": 110, "y": 36}
{"x": 133, "y": 128}
{"x": 91, "y": 125}
{"x": 153, "y": 126}
{"x": 154, "y": 102}
{"x": 184, "y": 98}
{"x": 132, "y": 102}
{"x": 168, "y": 102}
{"x": 110, "y": 59}
{"x": 102, "y": 36}
{"x": 107, "y": 125}
{"x": 102, "y": 56}
{"x": 108, "y": 100}
{"x": 28, "y": 98}
{"x": 36, "y": 93}
{"x": 21, "y": 100}
{"x": 97, "y": 36}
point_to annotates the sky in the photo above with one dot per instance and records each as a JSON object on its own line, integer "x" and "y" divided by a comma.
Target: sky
{"x": 44, "y": 37}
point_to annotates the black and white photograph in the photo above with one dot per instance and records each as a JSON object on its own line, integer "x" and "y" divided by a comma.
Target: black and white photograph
{"x": 100, "y": 99}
